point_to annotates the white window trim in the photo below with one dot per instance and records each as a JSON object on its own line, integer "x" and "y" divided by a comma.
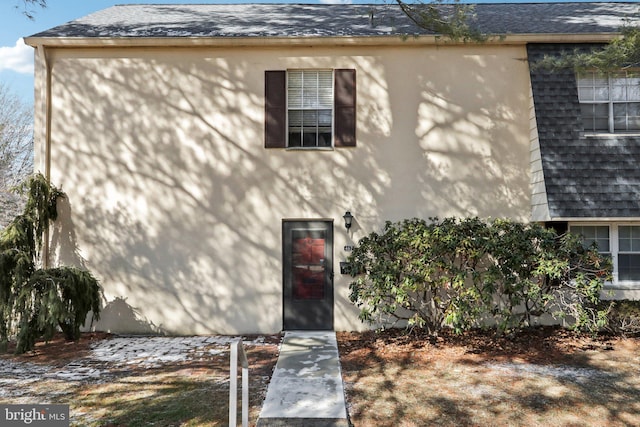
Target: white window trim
{"x": 614, "y": 250}
{"x": 610, "y": 103}
{"x": 333, "y": 117}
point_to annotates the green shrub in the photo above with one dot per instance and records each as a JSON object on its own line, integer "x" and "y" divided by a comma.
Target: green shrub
{"x": 624, "y": 317}
{"x": 35, "y": 302}
{"x": 55, "y": 298}
{"x": 471, "y": 273}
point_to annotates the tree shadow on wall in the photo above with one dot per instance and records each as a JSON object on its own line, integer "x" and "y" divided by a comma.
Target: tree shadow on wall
{"x": 116, "y": 314}
{"x": 120, "y": 316}
{"x": 64, "y": 243}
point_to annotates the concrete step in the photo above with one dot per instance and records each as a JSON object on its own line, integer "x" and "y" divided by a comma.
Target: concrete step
{"x": 306, "y": 387}
{"x": 302, "y": 422}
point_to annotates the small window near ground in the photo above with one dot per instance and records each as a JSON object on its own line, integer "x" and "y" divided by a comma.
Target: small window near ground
{"x": 597, "y": 235}
{"x": 620, "y": 242}
{"x": 610, "y": 102}
{"x": 629, "y": 252}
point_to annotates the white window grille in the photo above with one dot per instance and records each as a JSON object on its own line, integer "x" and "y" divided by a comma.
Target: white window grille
{"x": 610, "y": 102}
{"x": 310, "y": 108}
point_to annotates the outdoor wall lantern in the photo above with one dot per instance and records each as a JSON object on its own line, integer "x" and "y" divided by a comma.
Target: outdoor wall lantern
{"x": 348, "y": 219}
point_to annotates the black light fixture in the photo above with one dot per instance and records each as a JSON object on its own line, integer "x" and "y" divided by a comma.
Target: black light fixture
{"x": 348, "y": 218}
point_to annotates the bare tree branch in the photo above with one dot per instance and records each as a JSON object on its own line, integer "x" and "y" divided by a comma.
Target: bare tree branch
{"x": 27, "y": 5}
{"x": 16, "y": 149}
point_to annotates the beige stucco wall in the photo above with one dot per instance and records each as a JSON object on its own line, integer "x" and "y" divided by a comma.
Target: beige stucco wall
{"x": 177, "y": 208}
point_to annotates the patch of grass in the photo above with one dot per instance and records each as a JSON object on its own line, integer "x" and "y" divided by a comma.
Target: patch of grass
{"x": 194, "y": 392}
{"x": 163, "y": 399}
{"x": 156, "y": 397}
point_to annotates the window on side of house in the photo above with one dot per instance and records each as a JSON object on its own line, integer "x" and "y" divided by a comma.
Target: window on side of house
{"x": 610, "y": 102}
{"x": 619, "y": 241}
{"x": 309, "y": 108}
{"x": 597, "y": 235}
{"x": 629, "y": 252}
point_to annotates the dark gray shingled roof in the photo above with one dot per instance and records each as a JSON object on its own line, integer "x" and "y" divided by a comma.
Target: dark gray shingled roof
{"x": 585, "y": 177}
{"x": 307, "y": 20}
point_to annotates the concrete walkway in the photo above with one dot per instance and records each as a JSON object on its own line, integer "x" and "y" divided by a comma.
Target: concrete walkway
{"x": 306, "y": 386}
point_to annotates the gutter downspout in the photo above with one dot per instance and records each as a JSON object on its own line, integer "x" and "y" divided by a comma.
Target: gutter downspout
{"x": 45, "y": 95}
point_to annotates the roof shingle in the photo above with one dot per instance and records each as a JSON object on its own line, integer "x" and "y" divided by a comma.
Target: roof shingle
{"x": 585, "y": 177}
{"x": 314, "y": 20}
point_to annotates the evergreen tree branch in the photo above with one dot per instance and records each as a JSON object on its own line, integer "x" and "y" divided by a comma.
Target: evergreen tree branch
{"x": 622, "y": 53}
{"x": 444, "y": 18}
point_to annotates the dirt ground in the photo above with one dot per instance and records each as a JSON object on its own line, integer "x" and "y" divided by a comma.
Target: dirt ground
{"x": 58, "y": 352}
{"x": 542, "y": 377}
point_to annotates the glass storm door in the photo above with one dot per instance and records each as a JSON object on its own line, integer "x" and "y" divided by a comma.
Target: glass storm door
{"x": 308, "y": 275}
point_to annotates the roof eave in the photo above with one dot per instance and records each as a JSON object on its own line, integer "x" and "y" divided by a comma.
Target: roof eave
{"x": 269, "y": 41}
{"x": 589, "y": 219}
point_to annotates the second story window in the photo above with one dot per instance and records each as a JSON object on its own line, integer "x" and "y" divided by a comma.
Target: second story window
{"x": 310, "y": 108}
{"x": 610, "y": 102}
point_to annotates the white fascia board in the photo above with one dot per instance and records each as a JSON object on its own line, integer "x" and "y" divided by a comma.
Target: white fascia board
{"x": 591, "y": 220}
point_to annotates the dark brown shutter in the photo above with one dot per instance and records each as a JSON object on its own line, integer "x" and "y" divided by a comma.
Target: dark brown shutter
{"x": 345, "y": 108}
{"x": 275, "y": 114}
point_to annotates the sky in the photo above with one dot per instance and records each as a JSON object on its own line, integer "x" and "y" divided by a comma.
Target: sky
{"x": 16, "y": 59}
